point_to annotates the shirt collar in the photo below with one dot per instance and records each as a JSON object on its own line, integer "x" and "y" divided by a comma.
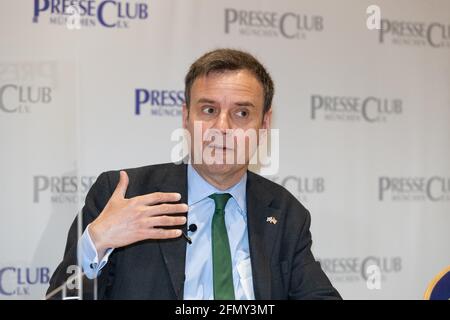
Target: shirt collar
{"x": 199, "y": 189}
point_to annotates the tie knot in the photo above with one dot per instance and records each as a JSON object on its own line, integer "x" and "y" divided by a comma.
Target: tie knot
{"x": 220, "y": 200}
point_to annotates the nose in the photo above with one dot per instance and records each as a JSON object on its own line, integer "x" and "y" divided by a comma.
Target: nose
{"x": 223, "y": 122}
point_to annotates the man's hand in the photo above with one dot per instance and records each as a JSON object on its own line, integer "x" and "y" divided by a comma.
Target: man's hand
{"x": 126, "y": 221}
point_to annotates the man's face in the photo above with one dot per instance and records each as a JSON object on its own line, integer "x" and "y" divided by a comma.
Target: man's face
{"x": 221, "y": 103}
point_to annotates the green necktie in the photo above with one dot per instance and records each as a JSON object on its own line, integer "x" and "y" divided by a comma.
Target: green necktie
{"x": 222, "y": 270}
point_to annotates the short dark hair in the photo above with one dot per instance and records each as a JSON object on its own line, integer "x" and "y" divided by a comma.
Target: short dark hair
{"x": 229, "y": 59}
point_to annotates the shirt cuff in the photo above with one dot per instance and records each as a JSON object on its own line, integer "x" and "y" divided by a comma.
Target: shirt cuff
{"x": 88, "y": 256}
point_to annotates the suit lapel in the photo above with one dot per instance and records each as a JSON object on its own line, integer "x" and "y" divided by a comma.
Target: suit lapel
{"x": 174, "y": 250}
{"x": 262, "y": 234}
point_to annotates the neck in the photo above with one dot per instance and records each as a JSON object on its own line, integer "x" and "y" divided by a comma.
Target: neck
{"x": 221, "y": 181}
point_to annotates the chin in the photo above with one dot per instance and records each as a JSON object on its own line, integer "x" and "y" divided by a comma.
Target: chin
{"x": 223, "y": 169}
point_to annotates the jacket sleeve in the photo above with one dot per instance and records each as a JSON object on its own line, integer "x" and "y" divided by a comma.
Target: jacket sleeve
{"x": 96, "y": 200}
{"x": 308, "y": 281}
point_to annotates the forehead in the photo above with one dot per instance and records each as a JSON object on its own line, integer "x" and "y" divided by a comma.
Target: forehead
{"x": 236, "y": 83}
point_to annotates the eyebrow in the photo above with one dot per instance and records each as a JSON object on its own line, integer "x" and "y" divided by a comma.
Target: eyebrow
{"x": 244, "y": 104}
{"x": 239, "y": 103}
{"x": 205, "y": 100}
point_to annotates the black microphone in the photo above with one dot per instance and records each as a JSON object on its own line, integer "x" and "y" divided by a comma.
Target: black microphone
{"x": 191, "y": 228}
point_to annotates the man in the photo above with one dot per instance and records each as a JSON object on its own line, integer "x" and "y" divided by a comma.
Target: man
{"x": 252, "y": 238}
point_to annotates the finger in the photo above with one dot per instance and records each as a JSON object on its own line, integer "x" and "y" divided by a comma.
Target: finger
{"x": 166, "y": 208}
{"x": 158, "y": 233}
{"x": 122, "y": 185}
{"x": 158, "y": 197}
{"x": 165, "y": 221}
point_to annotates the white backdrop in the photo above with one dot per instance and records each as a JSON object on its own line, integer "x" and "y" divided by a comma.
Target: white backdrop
{"x": 363, "y": 117}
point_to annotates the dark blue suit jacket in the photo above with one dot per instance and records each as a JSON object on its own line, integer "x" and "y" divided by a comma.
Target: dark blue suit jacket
{"x": 282, "y": 263}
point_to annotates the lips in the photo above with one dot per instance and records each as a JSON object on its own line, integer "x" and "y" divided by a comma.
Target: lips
{"x": 220, "y": 147}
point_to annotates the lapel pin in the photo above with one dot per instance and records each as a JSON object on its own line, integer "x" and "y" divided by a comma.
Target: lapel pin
{"x": 271, "y": 220}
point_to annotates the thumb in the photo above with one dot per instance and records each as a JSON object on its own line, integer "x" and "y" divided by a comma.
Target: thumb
{"x": 122, "y": 185}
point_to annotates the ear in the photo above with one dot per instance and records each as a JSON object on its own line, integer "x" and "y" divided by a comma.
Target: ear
{"x": 267, "y": 119}
{"x": 185, "y": 116}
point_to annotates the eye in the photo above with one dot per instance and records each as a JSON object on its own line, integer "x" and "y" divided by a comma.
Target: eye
{"x": 242, "y": 113}
{"x": 208, "y": 110}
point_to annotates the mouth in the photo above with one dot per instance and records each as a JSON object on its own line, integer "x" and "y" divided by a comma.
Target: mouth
{"x": 219, "y": 147}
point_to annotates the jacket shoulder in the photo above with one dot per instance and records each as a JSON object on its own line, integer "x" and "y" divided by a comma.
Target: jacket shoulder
{"x": 141, "y": 175}
{"x": 281, "y": 197}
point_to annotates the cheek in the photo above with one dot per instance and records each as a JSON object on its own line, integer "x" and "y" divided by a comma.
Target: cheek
{"x": 197, "y": 128}
{"x": 206, "y": 138}
{"x": 253, "y": 125}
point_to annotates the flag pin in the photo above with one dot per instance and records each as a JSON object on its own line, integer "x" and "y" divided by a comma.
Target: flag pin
{"x": 271, "y": 220}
